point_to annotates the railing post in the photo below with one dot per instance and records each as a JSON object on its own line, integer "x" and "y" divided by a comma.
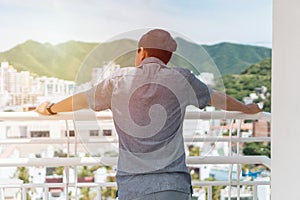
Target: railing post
{"x": 1, "y": 193}
{"x": 209, "y": 192}
{"x": 23, "y": 193}
{"x": 75, "y": 151}
{"x": 99, "y": 191}
{"x": 230, "y": 154}
{"x": 67, "y": 171}
{"x": 254, "y": 192}
{"x": 46, "y": 194}
{"x": 238, "y": 174}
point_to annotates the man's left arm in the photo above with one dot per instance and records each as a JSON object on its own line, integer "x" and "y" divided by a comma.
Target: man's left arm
{"x": 223, "y": 101}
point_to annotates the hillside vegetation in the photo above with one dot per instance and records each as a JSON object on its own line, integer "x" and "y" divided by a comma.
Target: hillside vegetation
{"x": 254, "y": 76}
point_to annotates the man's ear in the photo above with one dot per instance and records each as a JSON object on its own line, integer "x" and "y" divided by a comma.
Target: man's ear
{"x": 143, "y": 53}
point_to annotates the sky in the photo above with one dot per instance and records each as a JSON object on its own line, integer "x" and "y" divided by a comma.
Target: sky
{"x": 202, "y": 21}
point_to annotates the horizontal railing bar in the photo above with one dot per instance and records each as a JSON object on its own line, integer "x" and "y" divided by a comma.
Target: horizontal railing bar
{"x": 227, "y": 115}
{"x": 86, "y": 115}
{"x": 47, "y": 185}
{"x": 226, "y": 183}
{"x": 55, "y": 162}
{"x": 114, "y": 140}
{"x": 195, "y": 160}
{"x": 71, "y": 140}
{"x": 228, "y": 139}
{"x": 112, "y": 184}
{"x": 111, "y": 161}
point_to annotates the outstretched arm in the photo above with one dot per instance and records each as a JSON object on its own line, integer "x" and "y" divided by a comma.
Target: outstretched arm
{"x": 226, "y": 102}
{"x": 72, "y": 103}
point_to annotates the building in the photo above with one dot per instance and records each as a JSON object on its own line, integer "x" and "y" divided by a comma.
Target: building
{"x": 101, "y": 73}
{"x": 261, "y": 128}
{"x": 245, "y": 194}
{"x": 21, "y": 89}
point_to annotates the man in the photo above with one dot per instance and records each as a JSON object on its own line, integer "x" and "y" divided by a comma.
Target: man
{"x": 148, "y": 104}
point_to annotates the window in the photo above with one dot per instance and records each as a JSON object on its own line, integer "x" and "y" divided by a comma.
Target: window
{"x": 50, "y": 171}
{"x": 94, "y": 132}
{"x": 8, "y": 132}
{"x": 23, "y": 131}
{"x": 16, "y": 131}
{"x": 71, "y": 133}
{"x": 39, "y": 133}
{"x": 107, "y": 132}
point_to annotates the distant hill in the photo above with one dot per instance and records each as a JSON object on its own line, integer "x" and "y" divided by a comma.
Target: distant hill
{"x": 234, "y": 58}
{"x": 68, "y": 60}
{"x": 60, "y": 61}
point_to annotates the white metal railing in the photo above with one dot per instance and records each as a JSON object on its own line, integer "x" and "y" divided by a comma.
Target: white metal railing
{"x": 99, "y": 186}
{"x": 68, "y": 162}
{"x": 105, "y": 115}
{"x": 112, "y": 161}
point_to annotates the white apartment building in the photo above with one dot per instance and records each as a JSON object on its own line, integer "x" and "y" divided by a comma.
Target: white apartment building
{"x": 101, "y": 73}
{"x": 21, "y": 88}
{"x": 207, "y": 78}
{"x": 3, "y": 72}
{"x": 245, "y": 194}
{"x": 263, "y": 191}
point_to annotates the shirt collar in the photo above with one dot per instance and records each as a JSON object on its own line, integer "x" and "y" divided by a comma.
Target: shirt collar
{"x": 152, "y": 60}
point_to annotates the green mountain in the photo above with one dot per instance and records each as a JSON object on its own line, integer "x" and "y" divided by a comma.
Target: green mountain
{"x": 74, "y": 60}
{"x": 60, "y": 61}
{"x": 234, "y": 58}
{"x": 120, "y": 52}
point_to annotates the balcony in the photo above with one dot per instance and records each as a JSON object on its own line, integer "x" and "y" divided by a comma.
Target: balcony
{"x": 77, "y": 145}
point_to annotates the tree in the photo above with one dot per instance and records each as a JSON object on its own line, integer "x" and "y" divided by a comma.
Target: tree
{"x": 255, "y": 76}
{"x": 59, "y": 170}
{"x": 216, "y": 190}
{"x": 83, "y": 173}
{"x": 257, "y": 148}
{"x": 23, "y": 174}
{"x": 109, "y": 192}
{"x": 86, "y": 194}
{"x": 194, "y": 150}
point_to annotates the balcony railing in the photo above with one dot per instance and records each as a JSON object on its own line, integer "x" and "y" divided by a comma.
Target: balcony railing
{"x": 231, "y": 159}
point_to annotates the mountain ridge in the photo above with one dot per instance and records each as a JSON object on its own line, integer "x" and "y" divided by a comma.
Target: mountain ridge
{"x": 64, "y": 60}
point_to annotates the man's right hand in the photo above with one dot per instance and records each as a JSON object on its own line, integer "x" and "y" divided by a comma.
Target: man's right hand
{"x": 252, "y": 108}
{"x": 225, "y": 102}
{"x": 42, "y": 108}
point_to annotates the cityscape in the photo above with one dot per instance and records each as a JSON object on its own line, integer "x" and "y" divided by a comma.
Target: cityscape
{"x": 52, "y": 49}
{"x": 22, "y": 90}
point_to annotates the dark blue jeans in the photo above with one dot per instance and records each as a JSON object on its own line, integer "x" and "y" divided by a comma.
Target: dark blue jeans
{"x": 166, "y": 195}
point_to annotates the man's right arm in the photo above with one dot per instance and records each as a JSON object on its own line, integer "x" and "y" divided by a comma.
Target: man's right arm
{"x": 225, "y": 102}
{"x": 72, "y": 103}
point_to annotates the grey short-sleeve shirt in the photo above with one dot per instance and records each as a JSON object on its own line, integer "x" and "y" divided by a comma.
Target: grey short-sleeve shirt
{"x": 148, "y": 105}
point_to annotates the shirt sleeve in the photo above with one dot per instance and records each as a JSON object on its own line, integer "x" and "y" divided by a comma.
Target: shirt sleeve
{"x": 99, "y": 96}
{"x": 201, "y": 90}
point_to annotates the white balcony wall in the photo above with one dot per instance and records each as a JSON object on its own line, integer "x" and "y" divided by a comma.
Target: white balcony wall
{"x": 285, "y": 100}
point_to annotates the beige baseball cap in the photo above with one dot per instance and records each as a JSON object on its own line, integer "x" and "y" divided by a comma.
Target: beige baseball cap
{"x": 158, "y": 39}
